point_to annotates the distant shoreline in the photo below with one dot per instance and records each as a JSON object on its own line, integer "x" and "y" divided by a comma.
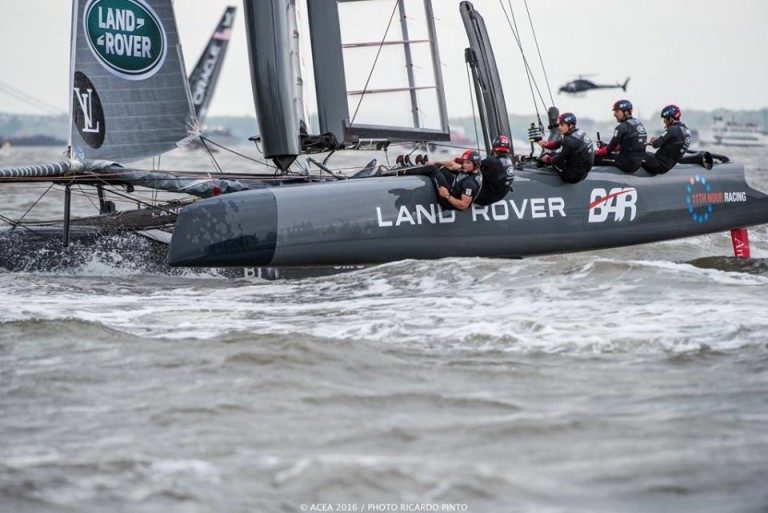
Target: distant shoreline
{"x": 55, "y": 127}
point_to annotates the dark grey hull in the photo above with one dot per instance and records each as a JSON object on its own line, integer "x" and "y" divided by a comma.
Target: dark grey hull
{"x": 393, "y": 218}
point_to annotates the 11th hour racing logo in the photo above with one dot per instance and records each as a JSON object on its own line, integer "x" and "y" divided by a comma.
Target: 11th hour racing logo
{"x": 701, "y": 199}
{"x": 616, "y": 204}
{"x": 126, "y": 37}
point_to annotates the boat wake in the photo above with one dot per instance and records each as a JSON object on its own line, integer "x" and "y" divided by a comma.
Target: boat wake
{"x": 119, "y": 253}
{"x": 757, "y": 266}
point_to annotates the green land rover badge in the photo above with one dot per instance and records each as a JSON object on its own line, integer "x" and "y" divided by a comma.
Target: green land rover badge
{"x": 126, "y": 36}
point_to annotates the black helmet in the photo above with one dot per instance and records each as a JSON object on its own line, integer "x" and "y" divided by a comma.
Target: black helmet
{"x": 623, "y": 105}
{"x": 471, "y": 156}
{"x": 502, "y": 144}
{"x": 474, "y": 157}
{"x": 569, "y": 118}
{"x": 671, "y": 112}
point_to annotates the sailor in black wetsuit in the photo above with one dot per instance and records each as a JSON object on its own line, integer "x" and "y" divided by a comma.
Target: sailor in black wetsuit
{"x": 671, "y": 146}
{"x": 457, "y": 181}
{"x": 577, "y": 153}
{"x": 497, "y": 172}
{"x": 626, "y": 150}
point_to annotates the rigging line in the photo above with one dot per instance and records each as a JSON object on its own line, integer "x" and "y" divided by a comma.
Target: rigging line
{"x": 246, "y": 157}
{"x": 518, "y": 37}
{"x": 444, "y": 145}
{"x": 29, "y": 99}
{"x": 525, "y": 61}
{"x": 132, "y": 199}
{"x": 375, "y": 61}
{"x": 156, "y": 168}
{"x": 541, "y": 59}
{"x": 15, "y": 225}
{"x": 87, "y": 196}
{"x": 531, "y": 79}
{"x": 154, "y": 196}
{"x": 210, "y": 154}
{"x": 472, "y": 103}
{"x": 415, "y": 149}
{"x": 38, "y": 200}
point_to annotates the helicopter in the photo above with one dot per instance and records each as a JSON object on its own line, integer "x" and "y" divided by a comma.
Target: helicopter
{"x": 581, "y": 85}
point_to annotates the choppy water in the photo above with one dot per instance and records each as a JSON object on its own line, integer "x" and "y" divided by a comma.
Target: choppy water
{"x": 632, "y": 380}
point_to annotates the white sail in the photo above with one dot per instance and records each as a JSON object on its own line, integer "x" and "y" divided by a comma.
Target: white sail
{"x": 205, "y": 74}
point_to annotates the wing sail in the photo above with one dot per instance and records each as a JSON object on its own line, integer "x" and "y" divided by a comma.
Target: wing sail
{"x": 398, "y": 95}
{"x": 202, "y": 80}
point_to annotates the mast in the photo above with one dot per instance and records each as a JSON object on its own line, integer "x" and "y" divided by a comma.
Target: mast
{"x": 300, "y": 107}
{"x": 272, "y": 78}
{"x": 409, "y": 63}
{"x": 328, "y": 64}
{"x": 276, "y": 76}
{"x": 485, "y": 73}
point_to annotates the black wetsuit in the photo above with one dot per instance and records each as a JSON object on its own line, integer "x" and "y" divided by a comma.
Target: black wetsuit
{"x": 463, "y": 185}
{"x": 497, "y": 175}
{"x": 627, "y": 147}
{"x": 672, "y": 146}
{"x": 576, "y": 157}
{"x": 458, "y": 184}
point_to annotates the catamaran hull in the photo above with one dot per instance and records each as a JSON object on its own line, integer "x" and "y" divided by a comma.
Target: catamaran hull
{"x": 385, "y": 219}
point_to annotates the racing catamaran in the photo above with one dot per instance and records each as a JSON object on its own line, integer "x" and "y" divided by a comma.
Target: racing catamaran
{"x": 124, "y": 55}
{"x": 393, "y": 218}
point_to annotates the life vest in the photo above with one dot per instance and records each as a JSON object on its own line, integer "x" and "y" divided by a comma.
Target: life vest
{"x": 498, "y": 175}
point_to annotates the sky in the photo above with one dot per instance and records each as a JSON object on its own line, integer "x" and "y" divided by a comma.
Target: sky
{"x": 699, "y": 54}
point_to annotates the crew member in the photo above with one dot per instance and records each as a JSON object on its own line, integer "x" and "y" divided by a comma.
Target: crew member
{"x": 671, "y": 146}
{"x": 577, "y": 153}
{"x": 497, "y": 172}
{"x": 457, "y": 181}
{"x": 626, "y": 150}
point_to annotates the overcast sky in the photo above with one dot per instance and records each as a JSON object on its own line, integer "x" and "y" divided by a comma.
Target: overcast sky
{"x": 700, "y": 54}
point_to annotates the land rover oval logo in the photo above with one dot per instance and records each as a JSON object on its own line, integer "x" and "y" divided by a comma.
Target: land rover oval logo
{"x": 126, "y": 36}
{"x": 87, "y": 113}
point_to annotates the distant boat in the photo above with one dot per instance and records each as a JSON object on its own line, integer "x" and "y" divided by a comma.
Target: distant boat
{"x": 732, "y": 133}
{"x": 203, "y": 79}
{"x": 33, "y": 140}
